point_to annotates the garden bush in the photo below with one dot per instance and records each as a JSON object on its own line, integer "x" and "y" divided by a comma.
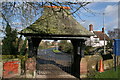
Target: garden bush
{"x": 65, "y": 46}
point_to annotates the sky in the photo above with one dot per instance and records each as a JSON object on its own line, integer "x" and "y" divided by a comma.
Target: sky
{"x": 98, "y": 8}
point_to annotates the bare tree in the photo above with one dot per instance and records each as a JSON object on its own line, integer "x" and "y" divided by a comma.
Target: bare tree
{"x": 27, "y": 12}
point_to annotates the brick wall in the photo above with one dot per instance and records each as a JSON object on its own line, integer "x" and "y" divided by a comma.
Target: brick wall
{"x": 30, "y": 66}
{"x": 11, "y": 68}
{"x": 1, "y": 68}
{"x": 83, "y": 66}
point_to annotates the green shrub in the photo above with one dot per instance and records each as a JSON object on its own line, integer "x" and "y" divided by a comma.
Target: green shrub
{"x": 23, "y": 58}
{"x": 8, "y": 57}
{"x": 65, "y": 46}
{"x": 88, "y": 50}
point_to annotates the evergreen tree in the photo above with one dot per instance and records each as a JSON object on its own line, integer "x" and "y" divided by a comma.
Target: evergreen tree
{"x": 9, "y": 42}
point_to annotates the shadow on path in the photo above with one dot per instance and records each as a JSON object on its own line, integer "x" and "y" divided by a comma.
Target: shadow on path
{"x": 44, "y": 61}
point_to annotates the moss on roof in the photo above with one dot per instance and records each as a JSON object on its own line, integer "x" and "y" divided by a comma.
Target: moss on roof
{"x": 58, "y": 23}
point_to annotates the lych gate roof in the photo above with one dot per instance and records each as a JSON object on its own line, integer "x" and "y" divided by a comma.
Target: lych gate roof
{"x": 56, "y": 23}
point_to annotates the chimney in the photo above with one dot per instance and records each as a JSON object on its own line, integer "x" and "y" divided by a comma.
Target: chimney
{"x": 103, "y": 30}
{"x": 90, "y": 27}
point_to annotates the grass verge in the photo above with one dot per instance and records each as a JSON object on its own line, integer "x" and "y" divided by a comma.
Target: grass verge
{"x": 108, "y": 73}
{"x": 56, "y": 51}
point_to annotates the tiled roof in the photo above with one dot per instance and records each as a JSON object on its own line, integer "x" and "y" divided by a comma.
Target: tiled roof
{"x": 100, "y": 35}
{"x": 56, "y": 23}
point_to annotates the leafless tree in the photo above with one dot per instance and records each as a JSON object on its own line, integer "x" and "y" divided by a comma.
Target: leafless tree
{"x": 27, "y": 12}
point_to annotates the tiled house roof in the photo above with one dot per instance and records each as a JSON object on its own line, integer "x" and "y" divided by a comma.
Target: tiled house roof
{"x": 101, "y": 35}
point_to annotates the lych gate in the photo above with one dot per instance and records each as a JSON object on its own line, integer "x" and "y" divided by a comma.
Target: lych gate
{"x": 54, "y": 25}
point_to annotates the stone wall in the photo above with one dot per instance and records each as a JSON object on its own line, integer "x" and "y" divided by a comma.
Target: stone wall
{"x": 92, "y": 62}
{"x": 30, "y": 66}
{"x": 118, "y": 60}
{"x": 108, "y": 64}
{"x": 89, "y": 64}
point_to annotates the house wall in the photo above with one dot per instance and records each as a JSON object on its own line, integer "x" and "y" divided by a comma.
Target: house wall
{"x": 95, "y": 42}
{"x": 101, "y": 43}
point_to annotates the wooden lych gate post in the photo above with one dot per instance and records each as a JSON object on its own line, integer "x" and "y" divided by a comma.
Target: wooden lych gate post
{"x": 78, "y": 52}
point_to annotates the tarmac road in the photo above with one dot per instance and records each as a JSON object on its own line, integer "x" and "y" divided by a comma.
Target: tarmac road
{"x": 48, "y": 57}
{"x": 49, "y": 54}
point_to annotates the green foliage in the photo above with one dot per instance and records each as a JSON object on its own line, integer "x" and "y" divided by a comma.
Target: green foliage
{"x": 23, "y": 58}
{"x": 9, "y": 42}
{"x": 13, "y": 47}
{"x": 8, "y": 57}
{"x": 110, "y": 44}
{"x": 88, "y": 50}
{"x": 44, "y": 45}
{"x": 65, "y": 46}
{"x": 97, "y": 50}
{"x": 23, "y": 49}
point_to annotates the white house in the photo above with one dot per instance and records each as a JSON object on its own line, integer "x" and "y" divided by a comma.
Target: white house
{"x": 98, "y": 38}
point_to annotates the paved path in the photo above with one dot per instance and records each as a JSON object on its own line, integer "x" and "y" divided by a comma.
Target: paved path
{"x": 47, "y": 56}
{"x": 52, "y": 71}
{"x": 52, "y": 65}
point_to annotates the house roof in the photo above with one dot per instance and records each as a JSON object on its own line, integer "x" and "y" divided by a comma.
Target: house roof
{"x": 56, "y": 23}
{"x": 100, "y": 35}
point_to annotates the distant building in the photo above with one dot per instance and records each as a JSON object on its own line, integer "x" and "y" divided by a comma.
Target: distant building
{"x": 114, "y": 34}
{"x": 97, "y": 39}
